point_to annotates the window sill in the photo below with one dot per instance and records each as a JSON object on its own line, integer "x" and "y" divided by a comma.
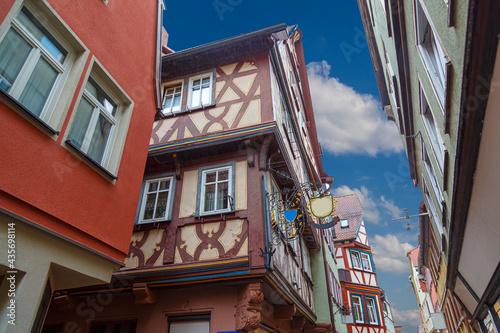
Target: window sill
{"x": 173, "y": 114}
{"x": 29, "y": 113}
{"x": 72, "y": 145}
{"x": 210, "y": 214}
{"x": 142, "y": 226}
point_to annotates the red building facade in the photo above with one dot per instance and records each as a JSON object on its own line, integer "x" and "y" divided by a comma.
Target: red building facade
{"x": 358, "y": 279}
{"x": 75, "y": 131}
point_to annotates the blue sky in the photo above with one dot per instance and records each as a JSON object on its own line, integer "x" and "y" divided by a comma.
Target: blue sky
{"x": 363, "y": 151}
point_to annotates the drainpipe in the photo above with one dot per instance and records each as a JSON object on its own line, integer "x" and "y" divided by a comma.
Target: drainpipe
{"x": 328, "y": 288}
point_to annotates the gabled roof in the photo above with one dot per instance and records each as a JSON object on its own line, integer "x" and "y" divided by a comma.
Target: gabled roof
{"x": 413, "y": 255}
{"x": 348, "y": 207}
{"x": 219, "y": 53}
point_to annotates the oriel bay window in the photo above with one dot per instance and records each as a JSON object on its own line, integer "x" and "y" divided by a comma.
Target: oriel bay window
{"x": 32, "y": 63}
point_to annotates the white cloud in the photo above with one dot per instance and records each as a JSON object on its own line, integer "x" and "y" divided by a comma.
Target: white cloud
{"x": 370, "y": 204}
{"x": 410, "y": 317}
{"x": 389, "y": 254}
{"x": 370, "y": 211}
{"x": 390, "y": 207}
{"x": 349, "y": 122}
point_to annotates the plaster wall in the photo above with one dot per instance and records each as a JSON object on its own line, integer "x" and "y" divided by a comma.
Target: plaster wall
{"x": 47, "y": 182}
{"x": 480, "y": 247}
{"x": 65, "y": 264}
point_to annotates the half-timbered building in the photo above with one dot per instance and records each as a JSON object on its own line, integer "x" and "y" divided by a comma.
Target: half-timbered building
{"x": 222, "y": 238}
{"x": 358, "y": 279}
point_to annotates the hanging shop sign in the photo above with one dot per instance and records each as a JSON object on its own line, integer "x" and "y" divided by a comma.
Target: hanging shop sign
{"x": 293, "y": 208}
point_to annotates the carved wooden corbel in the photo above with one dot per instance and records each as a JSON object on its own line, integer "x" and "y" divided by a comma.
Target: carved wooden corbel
{"x": 178, "y": 165}
{"x": 248, "y": 307}
{"x": 284, "y": 312}
{"x": 143, "y": 295}
{"x": 298, "y": 322}
{"x": 250, "y": 153}
{"x": 263, "y": 153}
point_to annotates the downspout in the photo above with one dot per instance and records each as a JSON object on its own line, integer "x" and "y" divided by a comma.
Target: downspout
{"x": 328, "y": 287}
{"x": 266, "y": 224}
{"x": 157, "y": 69}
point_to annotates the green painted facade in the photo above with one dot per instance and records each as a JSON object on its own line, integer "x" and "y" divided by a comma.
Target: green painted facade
{"x": 321, "y": 296}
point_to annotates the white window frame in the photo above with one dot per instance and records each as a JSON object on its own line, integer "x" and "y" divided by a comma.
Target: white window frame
{"x": 437, "y": 220}
{"x": 360, "y": 308}
{"x": 168, "y": 209}
{"x": 55, "y": 104}
{"x": 344, "y": 223}
{"x": 99, "y": 110}
{"x": 392, "y": 87}
{"x": 116, "y": 141}
{"x": 230, "y": 197}
{"x": 429, "y": 170}
{"x": 432, "y": 130}
{"x": 189, "y": 102}
{"x": 366, "y": 261}
{"x": 432, "y": 52}
{"x": 373, "y": 308}
{"x": 175, "y": 86}
{"x": 353, "y": 254}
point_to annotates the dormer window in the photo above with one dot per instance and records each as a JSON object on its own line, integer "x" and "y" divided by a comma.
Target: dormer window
{"x": 344, "y": 223}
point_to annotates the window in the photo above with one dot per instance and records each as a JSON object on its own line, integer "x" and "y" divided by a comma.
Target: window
{"x": 344, "y": 223}
{"x": 432, "y": 130}
{"x": 432, "y": 52}
{"x": 217, "y": 190}
{"x": 356, "y": 260}
{"x": 200, "y": 90}
{"x": 432, "y": 176}
{"x": 432, "y": 208}
{"x": 100, "y": 122}
{"x": 94, "y": 124}
{"x": 366, "y": 261}
{"x": 172, "y": 98}
{"x": 157, "y": 200}
{"x": 189, "y": 324}
{"x": 371, "y": 309}
{"x": 361, "y": 260}
{"x": 357, "y": 308}
{"x": 33, "y": 63}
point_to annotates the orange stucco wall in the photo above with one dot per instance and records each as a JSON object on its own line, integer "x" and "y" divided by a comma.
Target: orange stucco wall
{"x": 42, "y": 181}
